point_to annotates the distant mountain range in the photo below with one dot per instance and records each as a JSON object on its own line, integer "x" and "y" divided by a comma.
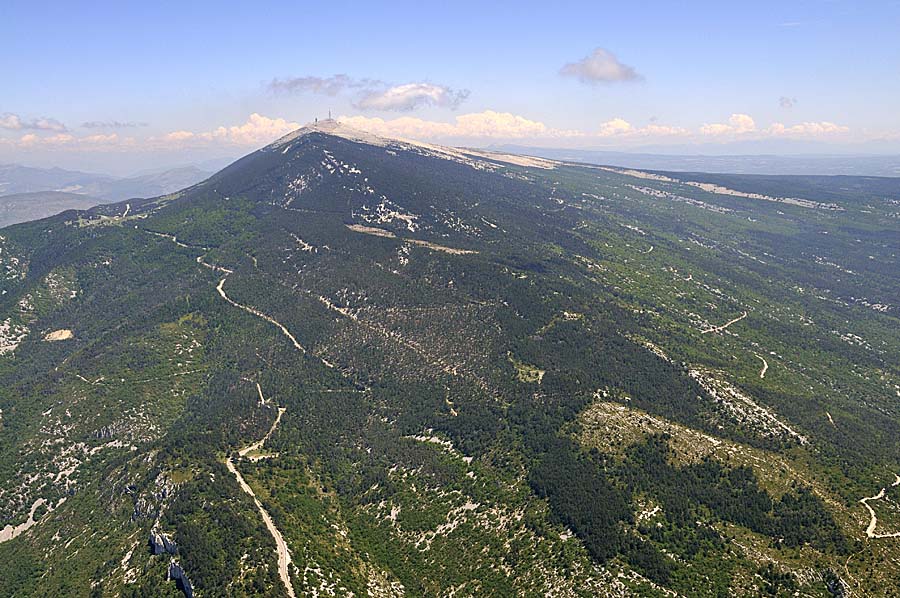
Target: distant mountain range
{"x": 28, "y": 193}
{"x": 15, "y": 178}
{"x": 856, "y": 165}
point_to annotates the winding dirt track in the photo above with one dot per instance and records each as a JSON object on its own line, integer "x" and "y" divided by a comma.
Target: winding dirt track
{"x": 284, "y": 554}
{"x": 873, "y": 522}
{"x": 259, "y": 314}
{"x": 765, "y": 367}
{"x": 725, "y": 325}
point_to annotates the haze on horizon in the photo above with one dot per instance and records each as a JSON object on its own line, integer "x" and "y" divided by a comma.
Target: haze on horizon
{"x": 115, "y": 88}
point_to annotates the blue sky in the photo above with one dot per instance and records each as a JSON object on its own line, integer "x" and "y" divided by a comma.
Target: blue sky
{"x": 171, "y": 81}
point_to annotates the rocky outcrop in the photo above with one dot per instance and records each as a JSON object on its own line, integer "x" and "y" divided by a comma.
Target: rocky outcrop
{"x": 105, "y": 433}
{"x": 144, "y": 509}
{"x": 177, "y": 574}
{"x": 836, "y": 586}
{"x": 161, "y": 543}
{"x": 150, "y": 502}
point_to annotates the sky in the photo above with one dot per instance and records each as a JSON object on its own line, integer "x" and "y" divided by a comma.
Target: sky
{"x": 124, "y": 86}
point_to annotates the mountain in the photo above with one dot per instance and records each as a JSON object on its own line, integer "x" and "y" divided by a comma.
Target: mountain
{"x": 22, "y": 207}
{"x": 147, "y": 185}
{"x": 763, "y": 164}
{"x": 15, "y": 179}
{"x": 354, "y": 365}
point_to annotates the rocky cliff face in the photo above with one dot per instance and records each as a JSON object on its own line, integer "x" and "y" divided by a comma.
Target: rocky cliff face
{"x": 177, "y": 574}
{"x": 160, "y": 543}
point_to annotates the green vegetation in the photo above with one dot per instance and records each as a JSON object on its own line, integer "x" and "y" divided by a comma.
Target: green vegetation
{"x": 561, "y": 410}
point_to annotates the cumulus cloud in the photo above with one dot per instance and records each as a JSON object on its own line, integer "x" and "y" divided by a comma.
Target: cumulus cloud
{"x": 31, "y": 139}
{"x": 744, "y": 126}
{"x": 257, "y": 130}
{"x": 100, "y": 139}
{"x": 616, "y": 126}
{"x": 491, "y": 125}
{"x": 738, "y": 124}
{"x": 112, "y": 124}
{"x": 372, "y": 94}
{"x": 619, "y": 127}
{"x": 177, "y": 136}
{"x": 411, "y": 96}
{"x": 601, "y": 66}
{"x": 487, "y": 124}
{"x": 806, "y": 129}
{"x": 786, "y": 102}
{"x": 10, "y": 121}
{"x": 14, "y": 122}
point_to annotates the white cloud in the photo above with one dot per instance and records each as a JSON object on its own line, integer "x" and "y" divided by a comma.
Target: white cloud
{"x": 601, "y": 66}
{"x": 31, "y": 139}
{"x": 619, "y": 127}
{"x": 10, "y": 121}
{"x": 14, "y": 122}
{"x": 410, "y": 96}
{"x": 257, "y": 130}
{"x": 744, "y": 126}
{"x": 487, "y": 124}
{"x": 100, "y": 139}
{"x": 806, "y": 129}
{"x": 738, "y": 124}
{"x": 616, "y": 126}
{"x": 177, "y": 136}
{"x": 372, "y": 94}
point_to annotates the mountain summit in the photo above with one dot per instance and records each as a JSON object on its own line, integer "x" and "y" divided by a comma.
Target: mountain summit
{"x": 351, "y": 365}
{"x": 330, "y": 126}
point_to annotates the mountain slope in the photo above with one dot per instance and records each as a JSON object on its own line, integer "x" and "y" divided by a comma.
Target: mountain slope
{"x": 346, "y": 364}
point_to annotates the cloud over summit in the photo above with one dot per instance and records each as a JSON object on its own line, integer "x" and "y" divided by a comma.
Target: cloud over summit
{"x": 372, "y": 94}
{"x": 410, "y": 96}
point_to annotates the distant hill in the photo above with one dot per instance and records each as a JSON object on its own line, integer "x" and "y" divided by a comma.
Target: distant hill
{"x": 16, "y": 179}
{"x": 23, "y": 207}
{"x": 148, "y": 185}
